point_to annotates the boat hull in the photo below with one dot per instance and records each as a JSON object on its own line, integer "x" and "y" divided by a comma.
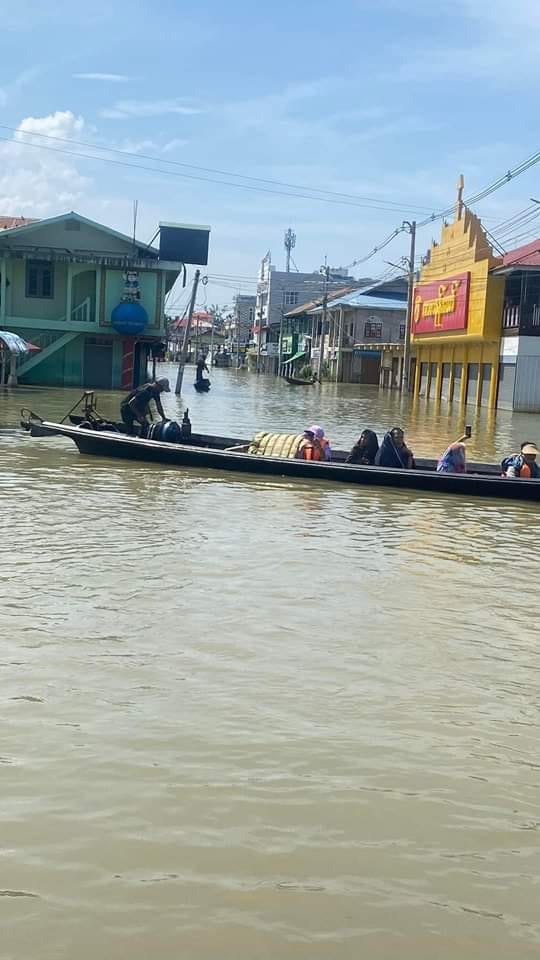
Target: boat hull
{"x": 487, "y": 483}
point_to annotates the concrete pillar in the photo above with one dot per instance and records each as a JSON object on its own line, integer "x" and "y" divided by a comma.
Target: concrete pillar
{"x": 3, "y": 288}
{"x": 493, "y": 387}
{"x": 416, "y": 388}
{"x": 12, "y": 378}
{"x": 99, "y": 295}
{"x": 451, "y": 378}
{"x": 478, "y": 398}
{"x": 438, "y": 384}
{"x": 428, "y": 378}
{"x": 464, "y": 378}
{"x": 69, "y": 292}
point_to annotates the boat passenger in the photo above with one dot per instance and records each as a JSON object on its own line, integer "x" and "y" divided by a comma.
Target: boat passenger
{"x": 365, "y": 449}
{"x": 316, "y": 447}
{"x": 523, "y": 464}
{"x": 393, "y": 451}
{"x": 453, "y": 460}
{"x": 135, "y": 408}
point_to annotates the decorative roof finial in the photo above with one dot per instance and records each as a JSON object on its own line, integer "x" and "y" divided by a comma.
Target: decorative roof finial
{"x": 459, "y": 202}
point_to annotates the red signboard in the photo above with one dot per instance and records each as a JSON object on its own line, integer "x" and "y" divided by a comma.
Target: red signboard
{"x": 441, "y": 305}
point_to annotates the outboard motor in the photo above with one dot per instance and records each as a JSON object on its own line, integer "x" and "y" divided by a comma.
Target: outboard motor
{"x": 167, "y": 431}
{"x": 186, "y": 426}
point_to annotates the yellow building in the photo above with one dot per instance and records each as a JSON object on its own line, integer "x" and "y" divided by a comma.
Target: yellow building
{"x": 457, "y": 315}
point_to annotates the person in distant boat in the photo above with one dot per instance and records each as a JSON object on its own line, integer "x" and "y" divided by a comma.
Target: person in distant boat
{"x": 201, "y": 368}
{"x": 394, "y": 452}
{"x": 523, "y": 464}
{"x": 365, "y": 449}
{"x": 454, "y": 459}
{"x": 135, "y": 408}
{"x": 315, "y": 445}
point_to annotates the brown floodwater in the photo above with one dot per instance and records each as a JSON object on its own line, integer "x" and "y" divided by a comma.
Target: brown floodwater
{"x": 254, "y": 718}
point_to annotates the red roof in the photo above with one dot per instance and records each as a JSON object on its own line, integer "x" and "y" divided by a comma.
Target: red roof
{"x": 201, "y": 319}
{"x": 7, "y": 223}
{"x": 528, "y": 255}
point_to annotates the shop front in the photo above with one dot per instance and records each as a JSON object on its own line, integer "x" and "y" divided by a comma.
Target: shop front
{"x": 456, "y": 321}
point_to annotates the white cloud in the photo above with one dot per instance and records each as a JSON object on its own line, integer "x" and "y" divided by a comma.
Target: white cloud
{"x": 175, "y": 144}
{"x": 38, "y": 182}
{"x": 138, "y": 146}
{"x": 148, "y": 108}
{"x": 105, "y": 77}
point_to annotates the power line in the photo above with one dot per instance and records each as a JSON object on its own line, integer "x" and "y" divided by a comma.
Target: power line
{"x": 486, "y": 192}
{"x": 370, "y": 203}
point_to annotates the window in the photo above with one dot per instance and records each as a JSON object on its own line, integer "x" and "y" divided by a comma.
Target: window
{"x": 373, "y": 329}
{"x": 290, "y": 298}
{"x": 251, "y": 314}
{"x": 39, "y": 279}
{"x": 351, "y": 329}
{"x": 402, "y": 331}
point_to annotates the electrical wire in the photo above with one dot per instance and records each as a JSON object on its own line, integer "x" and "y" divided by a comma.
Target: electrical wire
{"x": 343, "y": 199}
{"x": 469, "y": 201}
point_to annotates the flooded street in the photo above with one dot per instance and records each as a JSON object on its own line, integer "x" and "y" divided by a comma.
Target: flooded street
{"x": 247, "y": 717}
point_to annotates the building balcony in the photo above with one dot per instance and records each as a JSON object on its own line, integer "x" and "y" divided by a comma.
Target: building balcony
{"x": 522, "y": 318}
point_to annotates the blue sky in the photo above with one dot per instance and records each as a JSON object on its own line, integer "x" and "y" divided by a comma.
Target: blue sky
{"x": 388, "y": 100}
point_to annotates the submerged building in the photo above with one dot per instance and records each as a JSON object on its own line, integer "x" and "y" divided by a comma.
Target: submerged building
{"x": 457, "y": 316}
{"x": 91, "y": 298}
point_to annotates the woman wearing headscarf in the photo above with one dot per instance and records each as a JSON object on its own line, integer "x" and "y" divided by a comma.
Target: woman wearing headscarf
{"x": 394, "y": 452}
{"x": 316, "y": 447}
{"x": 453, "y": 459}
{"x": 365, "y": 449}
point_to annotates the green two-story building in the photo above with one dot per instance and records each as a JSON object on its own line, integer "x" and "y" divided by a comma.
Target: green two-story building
{"x": 61, "y": 282}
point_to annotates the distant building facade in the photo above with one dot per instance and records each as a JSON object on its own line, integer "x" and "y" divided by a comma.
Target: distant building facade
{"x": 277, "y": 293}
{"x": 240, "y": 324}
{"x": 519, "y": 355}
{"x": 457, "y": 316}
{"x": 362, "y": 341}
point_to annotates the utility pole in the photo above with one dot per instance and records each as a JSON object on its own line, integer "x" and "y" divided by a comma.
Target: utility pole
{"x": 290, "y": 243}
{"x": 326, "y": 274}
{"x": 259, "y": 336}
{"x": 280, "y": 348}
{"x": 410, "y": 227}
{"x": 183, "y": 352}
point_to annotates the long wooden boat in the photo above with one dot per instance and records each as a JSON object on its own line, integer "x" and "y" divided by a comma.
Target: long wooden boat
{"x": 215, "y": 453}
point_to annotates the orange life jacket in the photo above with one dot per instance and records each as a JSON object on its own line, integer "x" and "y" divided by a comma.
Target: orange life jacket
{"x": 315, "y": 451}
{"x": 525, "y": 472}
{"x": 312, "y": 451}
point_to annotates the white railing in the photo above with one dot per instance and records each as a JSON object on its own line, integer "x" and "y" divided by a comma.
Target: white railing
{"x": 81, "y": 313}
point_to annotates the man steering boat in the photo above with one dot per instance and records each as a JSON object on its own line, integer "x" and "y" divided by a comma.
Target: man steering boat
{"x": 135, "y": 408}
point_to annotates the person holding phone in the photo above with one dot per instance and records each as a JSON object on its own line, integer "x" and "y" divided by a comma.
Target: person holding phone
{"x": 454, "y": 458}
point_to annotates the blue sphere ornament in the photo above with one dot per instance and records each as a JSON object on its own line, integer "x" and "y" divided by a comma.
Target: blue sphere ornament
{"x": 129, "y": 318}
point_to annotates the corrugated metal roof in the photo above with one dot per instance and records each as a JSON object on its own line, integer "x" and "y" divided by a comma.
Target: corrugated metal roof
{"x": 526, "y": 256}
{"x": 363, "y": 301}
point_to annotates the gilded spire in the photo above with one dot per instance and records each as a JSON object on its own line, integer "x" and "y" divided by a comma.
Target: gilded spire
{"x": 459, "y": 201}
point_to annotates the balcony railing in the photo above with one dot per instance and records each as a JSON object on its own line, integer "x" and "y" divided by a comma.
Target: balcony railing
{"x": 522, "y": 317}
{"x": 511, "y": 315}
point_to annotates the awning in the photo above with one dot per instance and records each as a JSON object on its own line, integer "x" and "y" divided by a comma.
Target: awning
{"x": 297, "y": 356}
{"x": 16, "y": 344}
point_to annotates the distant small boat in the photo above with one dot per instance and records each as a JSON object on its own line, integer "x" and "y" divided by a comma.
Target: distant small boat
{"x": 299, "y": 382}
{"x": 202, "y": 386}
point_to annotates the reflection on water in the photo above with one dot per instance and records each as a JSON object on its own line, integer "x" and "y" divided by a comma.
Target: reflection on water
{"x": 250, "y": 717}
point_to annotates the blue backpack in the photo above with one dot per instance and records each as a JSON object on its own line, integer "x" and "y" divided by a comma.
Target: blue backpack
{"x": 517, "y": 461}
